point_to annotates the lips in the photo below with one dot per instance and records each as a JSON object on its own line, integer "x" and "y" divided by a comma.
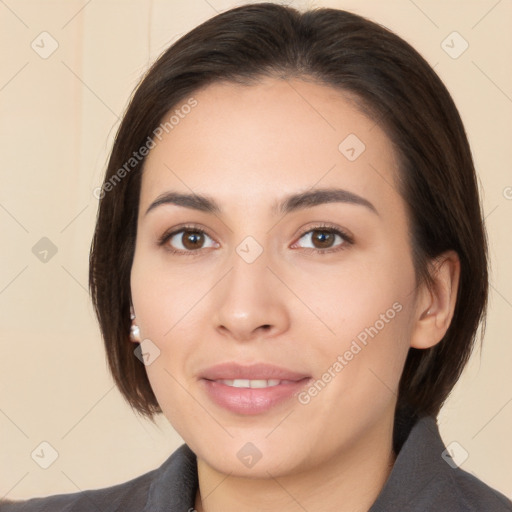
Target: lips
{"x": 259, "y": 371}
{"x": 251, "y": 389}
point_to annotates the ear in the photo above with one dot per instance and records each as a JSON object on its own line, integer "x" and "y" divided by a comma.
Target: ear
{"x": 435, "y": 306}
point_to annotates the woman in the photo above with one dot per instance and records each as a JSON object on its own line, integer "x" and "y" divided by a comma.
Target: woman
{"x": 290, "y": 263}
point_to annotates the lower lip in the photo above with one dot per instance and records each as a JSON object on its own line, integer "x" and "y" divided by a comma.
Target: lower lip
{"x": 251, "y": 400}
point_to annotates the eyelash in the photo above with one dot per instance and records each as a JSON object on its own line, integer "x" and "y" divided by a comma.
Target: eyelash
{"x": 347, "y": 240}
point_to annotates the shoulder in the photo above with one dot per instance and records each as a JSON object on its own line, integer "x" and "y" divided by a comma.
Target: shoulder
{"x": 135, "y": 495}
{"x": 454, "y": 488}
{"x": 127, "y": 496}
{"x": 425, "y": 477}
{"x": 469, "y": 493}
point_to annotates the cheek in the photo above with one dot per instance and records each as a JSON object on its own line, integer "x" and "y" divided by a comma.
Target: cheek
{"x": 353, "y": 296}
{"x": 174, "y": 393}
{"x": 357, "y": 372}
{"x": 162, "y": 301}
{"x": 364, "y": 328}
{"x": 164, "y": 294}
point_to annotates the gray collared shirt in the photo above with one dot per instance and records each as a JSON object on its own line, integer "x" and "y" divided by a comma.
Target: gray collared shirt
{"x": 423, "y": 478}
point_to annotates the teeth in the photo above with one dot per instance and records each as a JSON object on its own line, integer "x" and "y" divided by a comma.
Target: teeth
{"x": 246, "y": 383}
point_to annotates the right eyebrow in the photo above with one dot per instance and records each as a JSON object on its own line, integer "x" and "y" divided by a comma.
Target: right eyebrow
{"x": 195, "y": 201}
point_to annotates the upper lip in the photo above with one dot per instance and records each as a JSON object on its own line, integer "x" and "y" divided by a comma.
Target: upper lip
{"x": 263, "y": 371}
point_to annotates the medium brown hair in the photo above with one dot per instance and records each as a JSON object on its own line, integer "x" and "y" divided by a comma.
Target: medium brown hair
{"x": 393, "y": 84}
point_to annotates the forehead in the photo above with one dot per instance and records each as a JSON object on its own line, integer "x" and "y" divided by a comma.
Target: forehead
{"x": 272, "y": 138}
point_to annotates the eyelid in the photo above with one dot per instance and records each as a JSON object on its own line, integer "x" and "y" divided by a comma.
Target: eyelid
{"x": 328, "y": 227}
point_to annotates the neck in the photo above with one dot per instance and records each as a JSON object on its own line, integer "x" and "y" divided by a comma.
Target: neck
{"x": 349, "y": 481}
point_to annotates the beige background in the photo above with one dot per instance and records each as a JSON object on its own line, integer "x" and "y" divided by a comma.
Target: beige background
{"x": 58, "y": 118}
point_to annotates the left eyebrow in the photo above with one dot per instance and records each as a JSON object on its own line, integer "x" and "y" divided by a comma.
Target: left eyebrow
{"x": 320, "y": 196}
{"x": 290, "y": 203}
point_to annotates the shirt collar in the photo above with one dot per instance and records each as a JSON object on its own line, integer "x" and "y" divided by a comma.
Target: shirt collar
{"x": 175, "y": 485}
{"x": 418, "y": 471}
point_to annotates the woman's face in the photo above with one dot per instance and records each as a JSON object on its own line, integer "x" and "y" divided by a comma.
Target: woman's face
{"x": 320, "y": 286}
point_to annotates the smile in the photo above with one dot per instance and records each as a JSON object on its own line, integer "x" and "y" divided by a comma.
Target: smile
{"x": 256, "y": 383}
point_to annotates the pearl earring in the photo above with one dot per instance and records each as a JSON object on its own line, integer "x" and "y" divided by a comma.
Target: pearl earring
{"x": 134, "y": 333}
{"x": 134, "y": 329}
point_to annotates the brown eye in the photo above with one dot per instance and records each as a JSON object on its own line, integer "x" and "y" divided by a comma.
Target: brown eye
{"x": 187, "y": 240}
{"x": 192, "y": 239}
{"x": 322, "y": 239}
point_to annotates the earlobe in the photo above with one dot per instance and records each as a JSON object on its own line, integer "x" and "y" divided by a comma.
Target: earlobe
{"x": 436, "y": 304}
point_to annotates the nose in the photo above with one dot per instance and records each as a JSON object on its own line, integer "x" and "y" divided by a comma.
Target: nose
{"x": 251, "y": 302}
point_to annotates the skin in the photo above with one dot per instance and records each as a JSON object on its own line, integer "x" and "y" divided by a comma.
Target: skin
{"x": 248, "y": 147}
